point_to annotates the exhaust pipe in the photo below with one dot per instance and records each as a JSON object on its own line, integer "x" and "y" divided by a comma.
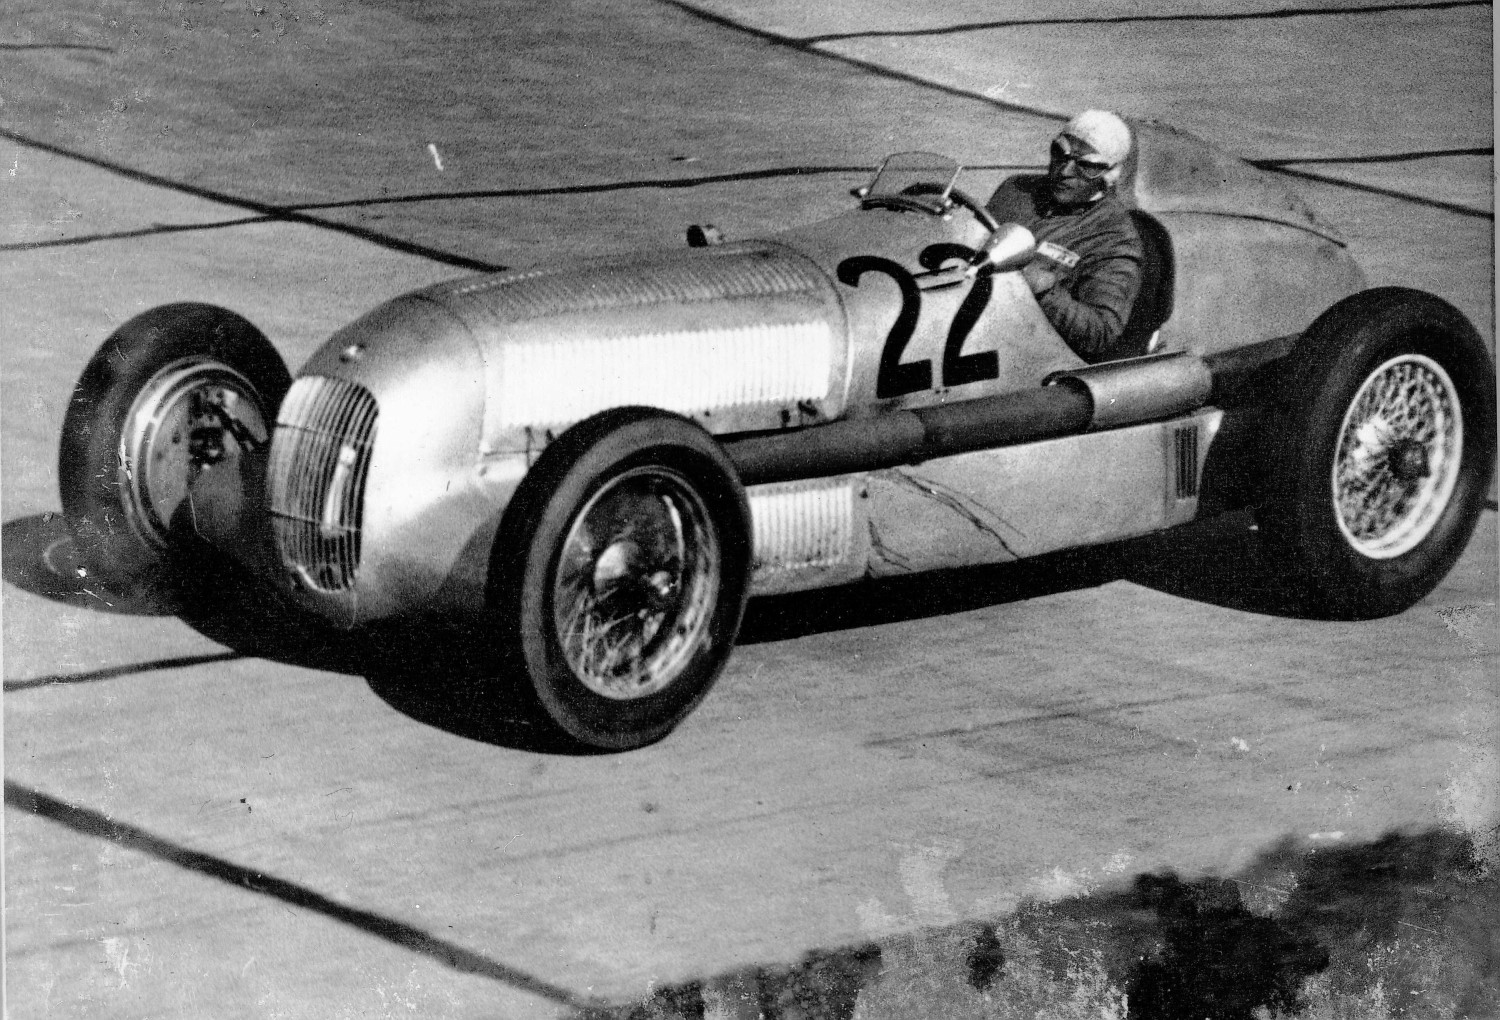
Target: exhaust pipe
{"x": 1068, "y": 403}
{"x": 1139, "y": 389}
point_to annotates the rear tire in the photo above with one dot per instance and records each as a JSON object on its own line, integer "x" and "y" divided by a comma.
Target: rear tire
{"x": 147, "y": 413}
{"x": 620, "y": 575}
{"x": 1381, "y": 454}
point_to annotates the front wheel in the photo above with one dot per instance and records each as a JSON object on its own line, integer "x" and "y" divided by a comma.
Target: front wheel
{"x": 1382, "y": 453}
{"x": 621, "y": 573}
{"x": 176, "y": 393}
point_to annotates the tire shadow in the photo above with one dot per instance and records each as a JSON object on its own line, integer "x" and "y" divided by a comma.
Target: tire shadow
{"x": 1219, "y": 562}
{"x": 431, "y": 670}
{"x": 36, "y": 555}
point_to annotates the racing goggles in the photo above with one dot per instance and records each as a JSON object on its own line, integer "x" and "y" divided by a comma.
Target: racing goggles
{"x": 1090, "y": 168}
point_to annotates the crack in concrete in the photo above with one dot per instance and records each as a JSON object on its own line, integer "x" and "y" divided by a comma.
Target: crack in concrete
{"x": 956, "y": 502}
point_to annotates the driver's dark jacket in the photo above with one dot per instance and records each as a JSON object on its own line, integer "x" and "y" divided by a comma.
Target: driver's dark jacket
{"x": 1097, "y": 255}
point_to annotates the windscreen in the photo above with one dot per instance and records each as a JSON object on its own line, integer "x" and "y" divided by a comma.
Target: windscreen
{"x": 922, "y": 178}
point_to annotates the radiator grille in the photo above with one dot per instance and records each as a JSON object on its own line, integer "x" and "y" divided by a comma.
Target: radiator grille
{"x": 1185, "y": 445}
{"x": 319, "y": 462}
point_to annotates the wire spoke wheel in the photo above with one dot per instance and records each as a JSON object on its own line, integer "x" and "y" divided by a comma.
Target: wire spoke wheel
{"x": 620, "y": 574}
{"x": 1398, "y": 456}
{"x": 1381, "y": 455}
{"x": 180, "y": 425}
{"x": 636, "y": 583}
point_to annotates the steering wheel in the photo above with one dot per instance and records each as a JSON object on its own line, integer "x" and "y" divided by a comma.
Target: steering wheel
{"x": 958, "y": 197}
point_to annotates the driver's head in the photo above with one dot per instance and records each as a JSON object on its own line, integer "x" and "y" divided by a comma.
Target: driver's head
{"x": 1087, "y": 157}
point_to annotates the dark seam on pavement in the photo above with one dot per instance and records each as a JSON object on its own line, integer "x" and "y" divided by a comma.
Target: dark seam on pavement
{"x": 675, "y": 183}
{"x": 1271, "y": 165}
{"x": 590, "y": 189}
{"x": 665, "y": 183}
{"x": 1431, "y": 203}
{"x": 123, "y": 235}
{"x": 456, "y": 196}
{"x": 865, "y": 65}
{"x": 56, "y": 46}
{"x": 1126, "y": 19}
{"x": 93, "y": 823}
{"x": 110, "y": 673}
{"x": 1387, "y": 157}
{"x": 275, "y": 212}
{"x": 803, "y": 46}
{"x": 1490, "y": 504}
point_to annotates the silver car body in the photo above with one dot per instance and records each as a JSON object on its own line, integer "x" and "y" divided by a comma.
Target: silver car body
{"x": 404, "y": 438}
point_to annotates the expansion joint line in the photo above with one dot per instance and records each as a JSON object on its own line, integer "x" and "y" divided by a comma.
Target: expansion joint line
{"x": 89, "y": 822}
{"x": 809, "y": 45}
{"x": 1275, "y": 14}
{"x": 280, "y": 213}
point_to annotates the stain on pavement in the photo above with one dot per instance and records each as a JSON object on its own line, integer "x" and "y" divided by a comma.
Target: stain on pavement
{"x": 1399, "y": 927}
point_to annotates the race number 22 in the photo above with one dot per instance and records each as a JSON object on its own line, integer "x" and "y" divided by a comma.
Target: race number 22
{"x": 896, "y": 377}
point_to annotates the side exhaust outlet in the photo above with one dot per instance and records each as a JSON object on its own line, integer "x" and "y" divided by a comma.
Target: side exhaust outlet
{"x": 1069, "y": 403}
{"x": 1139, "y": 389}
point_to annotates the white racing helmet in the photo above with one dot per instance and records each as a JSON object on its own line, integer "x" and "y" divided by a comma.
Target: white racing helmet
{"x": 1106, "y": 134}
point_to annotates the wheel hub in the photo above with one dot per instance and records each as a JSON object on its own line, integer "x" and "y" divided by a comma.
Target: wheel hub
{"x": 1407, "y": 460}
{"x": 206, "y": 445}
{"x": 624, "y": 579}
{"x": 180, "y": 425}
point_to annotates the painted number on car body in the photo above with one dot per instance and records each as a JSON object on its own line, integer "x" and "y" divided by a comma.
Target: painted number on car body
{"x": 896, "y": 377}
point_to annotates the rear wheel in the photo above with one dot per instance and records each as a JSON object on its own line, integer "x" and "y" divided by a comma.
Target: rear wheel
{"x": 177, "y": 391}
{"x": 1383, "y": 455}
{"x": 621, "y": 573}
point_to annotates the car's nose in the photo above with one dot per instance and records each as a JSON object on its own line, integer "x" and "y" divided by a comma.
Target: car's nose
{"x": 376, "y": 443}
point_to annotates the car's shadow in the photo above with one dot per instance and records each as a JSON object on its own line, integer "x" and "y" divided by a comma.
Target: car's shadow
{"x": 451, "y": 677}
{"x": 1218, "y": 562}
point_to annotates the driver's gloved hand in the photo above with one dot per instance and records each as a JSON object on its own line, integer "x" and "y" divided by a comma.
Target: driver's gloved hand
{"x": 1038, "y": 277}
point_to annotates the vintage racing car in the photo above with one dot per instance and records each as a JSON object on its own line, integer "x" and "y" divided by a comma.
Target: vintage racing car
{"x": 599, "y": 461}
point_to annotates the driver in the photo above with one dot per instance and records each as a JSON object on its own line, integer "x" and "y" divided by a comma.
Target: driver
{"x": 1087, "y": 269}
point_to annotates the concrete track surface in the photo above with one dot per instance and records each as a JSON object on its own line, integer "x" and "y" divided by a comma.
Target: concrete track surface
{"x": 210, "y": 818}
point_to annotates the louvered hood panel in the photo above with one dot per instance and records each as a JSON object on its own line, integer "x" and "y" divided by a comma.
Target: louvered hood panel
{"x": 739, "y": 337}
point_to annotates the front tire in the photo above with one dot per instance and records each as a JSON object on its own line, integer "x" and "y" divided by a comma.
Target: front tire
{"x": 174, "y": 391}
{"x": 620, "y": 575}
{"x": 1382, "y": 453}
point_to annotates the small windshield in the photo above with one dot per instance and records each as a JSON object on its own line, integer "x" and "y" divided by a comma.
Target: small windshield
{"x": 921, "y": 179}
